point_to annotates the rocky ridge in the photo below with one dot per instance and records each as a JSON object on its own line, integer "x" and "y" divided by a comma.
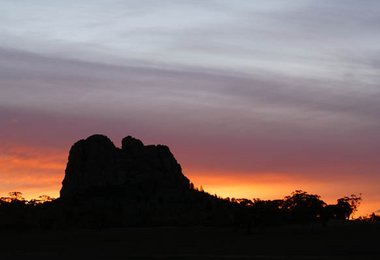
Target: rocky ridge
{"x": 96, "y": 163}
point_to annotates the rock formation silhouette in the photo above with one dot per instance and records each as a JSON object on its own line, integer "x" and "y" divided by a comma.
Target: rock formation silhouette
{"x": 96, "y": 163}
{"x": 135, "y": 185}
{"x": 143, "y": 185}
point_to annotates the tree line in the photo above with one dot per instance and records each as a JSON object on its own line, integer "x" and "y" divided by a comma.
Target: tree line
{"x": 191, "y": 207}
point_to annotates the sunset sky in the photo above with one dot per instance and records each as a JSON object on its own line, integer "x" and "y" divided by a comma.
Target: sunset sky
{"x": 254, "y": 98}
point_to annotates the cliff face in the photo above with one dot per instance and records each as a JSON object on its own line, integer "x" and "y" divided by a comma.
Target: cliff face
{"x": 96, "y": 163}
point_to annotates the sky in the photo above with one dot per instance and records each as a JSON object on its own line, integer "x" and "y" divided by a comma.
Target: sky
{"x": 255, "y": 98}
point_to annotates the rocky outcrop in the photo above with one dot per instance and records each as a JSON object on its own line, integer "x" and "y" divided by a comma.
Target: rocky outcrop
{"x": 96, "y": 163}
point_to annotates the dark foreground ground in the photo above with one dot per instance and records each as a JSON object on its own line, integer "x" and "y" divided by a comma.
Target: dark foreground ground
{"x": 339, "y": 241}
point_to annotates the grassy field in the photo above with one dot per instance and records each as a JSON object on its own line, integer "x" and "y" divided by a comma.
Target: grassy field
{"x": 338, "y": 241}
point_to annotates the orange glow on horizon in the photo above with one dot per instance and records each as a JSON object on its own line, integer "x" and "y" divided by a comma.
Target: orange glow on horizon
{"x": 47, "y": 167}
{"x": 269, "y": 186}
{"x": 34, "y": 171}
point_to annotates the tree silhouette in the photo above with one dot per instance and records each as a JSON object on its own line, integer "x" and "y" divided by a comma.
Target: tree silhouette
{"x": 303, "y": 207}
{"x": 16, "y": 196}
{"x": 347, "y": 206}
{"x": 45, "y": 198}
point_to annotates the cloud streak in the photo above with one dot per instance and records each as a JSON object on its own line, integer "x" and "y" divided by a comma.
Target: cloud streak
{"x": 234, "y": 109}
